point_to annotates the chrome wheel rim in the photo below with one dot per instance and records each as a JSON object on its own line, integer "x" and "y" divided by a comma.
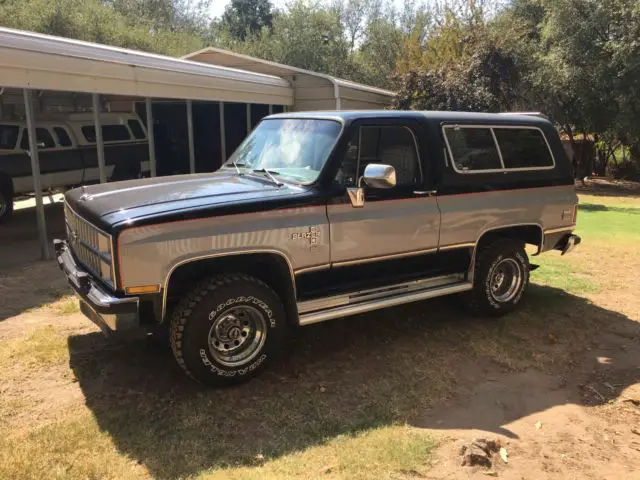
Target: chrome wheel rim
{"x": 505, "y": 280}
{"x": 237, "y": 336}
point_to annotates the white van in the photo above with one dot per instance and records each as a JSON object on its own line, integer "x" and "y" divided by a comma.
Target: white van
{"x": 68, "y": 154}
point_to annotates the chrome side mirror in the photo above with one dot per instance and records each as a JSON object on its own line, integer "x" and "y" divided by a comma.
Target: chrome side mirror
{"x": 376, "y": 175}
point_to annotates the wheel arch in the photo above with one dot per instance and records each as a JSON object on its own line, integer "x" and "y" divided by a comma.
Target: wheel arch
{"x": 529, "y": 233}
{"x": 271, "y": 266}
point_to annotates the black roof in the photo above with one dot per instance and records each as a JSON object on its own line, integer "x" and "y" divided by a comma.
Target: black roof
{"x": 437, "y": 116}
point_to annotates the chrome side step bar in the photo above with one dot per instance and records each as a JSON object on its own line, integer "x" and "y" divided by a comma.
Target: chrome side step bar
{"x": 319, "y": 310}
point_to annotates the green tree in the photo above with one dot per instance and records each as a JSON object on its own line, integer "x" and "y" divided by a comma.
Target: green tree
{"x": 456, "y": 63}
{"x": 305, "y": 36}
{"x": 244, "y": 18}
{"x": 94, "y": 21}
{"x": 172, "y": 15}
{"x": 580, "y": 65}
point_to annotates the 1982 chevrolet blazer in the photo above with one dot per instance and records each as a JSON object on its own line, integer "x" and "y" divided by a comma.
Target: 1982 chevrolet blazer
{"x": 317, "y": 216}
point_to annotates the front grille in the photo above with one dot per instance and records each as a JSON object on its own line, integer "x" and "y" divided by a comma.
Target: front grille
{"x": 85, "y": 242}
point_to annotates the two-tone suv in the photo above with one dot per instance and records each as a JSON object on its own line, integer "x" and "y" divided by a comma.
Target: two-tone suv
{"x": 320, "y": 216}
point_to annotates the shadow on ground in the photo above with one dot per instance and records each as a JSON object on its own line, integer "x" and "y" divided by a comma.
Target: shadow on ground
{"x": 593, "y": 207}
{"x": 19, "y": 235}
{"x": 346, "y": 376}
{"x": 26, "y": 282}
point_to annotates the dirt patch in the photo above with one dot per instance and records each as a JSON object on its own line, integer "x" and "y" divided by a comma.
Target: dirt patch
{"x": 560, "y": 439}
{"x": 31, "y": 286}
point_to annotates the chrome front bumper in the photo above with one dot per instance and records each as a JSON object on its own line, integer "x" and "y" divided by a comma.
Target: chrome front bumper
{"x": 110, "y": 313}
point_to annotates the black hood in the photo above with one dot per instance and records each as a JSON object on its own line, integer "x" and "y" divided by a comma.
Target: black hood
{"x": 154, "y": 200}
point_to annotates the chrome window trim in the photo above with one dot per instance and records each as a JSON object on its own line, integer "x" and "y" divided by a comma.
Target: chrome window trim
{"x": 222, "y": 254}
{"x": 495, "y": 141}
{"x": 491, "y": 127}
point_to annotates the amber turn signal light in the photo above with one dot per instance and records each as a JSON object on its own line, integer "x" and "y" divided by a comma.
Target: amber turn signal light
{"x": 142, "y": 289}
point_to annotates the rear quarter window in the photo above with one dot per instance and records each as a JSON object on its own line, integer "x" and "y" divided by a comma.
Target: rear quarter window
{"x": 523, "y": 148}
{"x": 63, "y": 136}
{"x": 136, "y": 129}
{"x": 472, "y": 149}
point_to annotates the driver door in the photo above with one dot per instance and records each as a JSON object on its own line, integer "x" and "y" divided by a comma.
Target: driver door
{"x": 398, "y": 222}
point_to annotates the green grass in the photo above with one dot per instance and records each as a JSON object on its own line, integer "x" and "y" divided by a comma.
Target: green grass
{"x": 43, "y": 348}
{"x": 73, "y": 449}
{"x": 603, "y": 223}
{"x": 390, "y": 452}
{"x": 559, "y": 272}
{"x": 68, "y": 305}
{"x": 78, "y": 449}
{"x": 604, "y": 220}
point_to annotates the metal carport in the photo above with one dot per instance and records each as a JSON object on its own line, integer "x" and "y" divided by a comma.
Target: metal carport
{"x": 311, "y": 90}
{"x": 32, "y": 61}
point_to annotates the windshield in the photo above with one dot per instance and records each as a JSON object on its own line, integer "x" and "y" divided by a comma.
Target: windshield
{"x": 292, "y": 148}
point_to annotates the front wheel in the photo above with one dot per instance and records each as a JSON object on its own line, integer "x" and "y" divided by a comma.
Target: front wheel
{"x": 227, "y": 329}
{"x": 501, "y": 277}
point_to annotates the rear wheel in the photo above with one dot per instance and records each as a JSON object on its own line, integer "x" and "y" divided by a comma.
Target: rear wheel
{"x": 501, "y": 277}
{"x": 227, "y": 329}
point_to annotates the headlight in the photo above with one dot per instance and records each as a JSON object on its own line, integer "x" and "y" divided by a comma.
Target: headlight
{"x": 104, "y": 245}
{"x": 106, "y": 258}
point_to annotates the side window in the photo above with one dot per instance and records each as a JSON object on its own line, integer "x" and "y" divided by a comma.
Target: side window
{"x": 397, "y": 148}
{"x": 392, "y": 145}
{"x": 473, "y": 149}
{"x": 115, "y": 133}
{"x": 136, "y": 129}
{"x": 110, "y": 133}
{"x": 63, "y": 136}
{"x": 523, "y": 148}
{"x": 8, "y": 136}
{"x": 43, "y": 138}
{"x": 348, "y": 172}
{"x": 89, "y": 132}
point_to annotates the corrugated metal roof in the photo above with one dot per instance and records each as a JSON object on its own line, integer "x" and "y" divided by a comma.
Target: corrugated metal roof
{"x": 34, "y": 60}
{"x": 240, "y": 60}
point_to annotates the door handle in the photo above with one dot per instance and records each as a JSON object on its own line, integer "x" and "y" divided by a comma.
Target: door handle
{"x": 427, "y": 193}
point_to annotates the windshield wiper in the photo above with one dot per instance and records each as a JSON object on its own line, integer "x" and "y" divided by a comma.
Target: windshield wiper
{"x": 237, "y": 166}
{"x": 269, "y": 173}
